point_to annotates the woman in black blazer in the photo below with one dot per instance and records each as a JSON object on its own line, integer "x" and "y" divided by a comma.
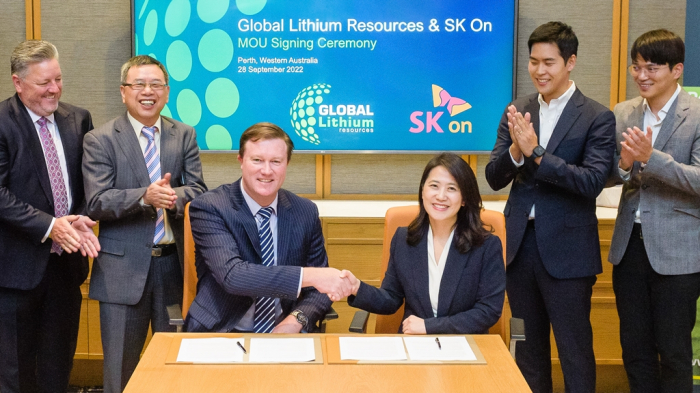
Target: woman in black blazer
{"x": 445, "y": 265}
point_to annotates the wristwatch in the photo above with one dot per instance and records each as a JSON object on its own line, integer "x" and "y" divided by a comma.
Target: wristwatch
{"x": 538, "y": 151}
{"x": 301, "y": 318}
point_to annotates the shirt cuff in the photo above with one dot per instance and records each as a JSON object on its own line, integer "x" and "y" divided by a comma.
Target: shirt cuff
{"x": 517, "y": 163}
{"x": 625, "y": 175}
{"x": 48, "y": 232}
{"x": 301, "y": 278}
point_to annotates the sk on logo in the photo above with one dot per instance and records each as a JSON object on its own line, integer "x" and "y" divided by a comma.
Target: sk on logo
{"x": 441, "y": 99}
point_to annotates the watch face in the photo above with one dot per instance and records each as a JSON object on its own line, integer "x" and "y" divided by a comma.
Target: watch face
{"x": 538, "y": 151}
{"x": 301, "y": 318}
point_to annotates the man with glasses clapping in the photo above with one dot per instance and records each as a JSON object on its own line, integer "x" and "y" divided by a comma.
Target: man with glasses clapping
{"x": 140, "y": 170}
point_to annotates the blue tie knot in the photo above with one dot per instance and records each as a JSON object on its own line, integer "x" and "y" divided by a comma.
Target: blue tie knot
{"x": 149, "y": 132}
{"x": 265, "y": 213}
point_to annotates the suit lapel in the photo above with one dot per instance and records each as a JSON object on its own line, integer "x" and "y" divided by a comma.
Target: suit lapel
{"x": 566, "y": 120}
{"x": 419, "y": 266}
{"x": 454, "y": 266}
{"x": 246, "y": 217}
{"x": 675, "y": 117}
{"x": 168, "y": 146}
{"x": 129, "y": 143}
{"x": 26, "y": 127}
{"x": 284, "y": 227}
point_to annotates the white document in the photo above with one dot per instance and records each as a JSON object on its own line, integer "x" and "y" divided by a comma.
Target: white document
{"x": 282, "y": 350}
{"x": 451, "y": 348}
{"x": 210, "y": 350}
{"x": 372, "y": 348}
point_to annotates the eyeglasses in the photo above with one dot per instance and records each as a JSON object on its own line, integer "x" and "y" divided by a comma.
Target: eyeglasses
{"x": 651, "y": 69}
{"x": 142, "y": 85}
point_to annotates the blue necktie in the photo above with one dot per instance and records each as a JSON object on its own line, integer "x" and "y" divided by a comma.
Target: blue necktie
{"x": 264, "y": 320}
{"x": 153, "y": 165}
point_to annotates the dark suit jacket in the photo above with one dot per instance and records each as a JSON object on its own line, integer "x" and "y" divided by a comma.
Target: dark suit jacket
{"x": 471, "y": 294}
{"x": 115, "y": 180}
{"x": 26, "y": 200}
{"x": 229, "y": 262}
{"x": 563, "y": 187}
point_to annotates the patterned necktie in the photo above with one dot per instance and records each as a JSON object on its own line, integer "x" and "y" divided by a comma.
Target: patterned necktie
{"x": 58, "y": 186}
{"x": 264, "y": 320}
{"x": 153, "y": 165}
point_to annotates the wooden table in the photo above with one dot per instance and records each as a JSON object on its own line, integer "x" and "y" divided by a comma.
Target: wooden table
{"x": 152, "y": 375}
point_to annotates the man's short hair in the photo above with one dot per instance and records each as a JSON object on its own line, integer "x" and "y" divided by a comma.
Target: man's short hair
{"x": 264, "y": 131}
{"x": 30, "y": 52}
{"x": 558, "y": 33}
{"x": 142, "y": 60}
{"x": 659, "y": 46}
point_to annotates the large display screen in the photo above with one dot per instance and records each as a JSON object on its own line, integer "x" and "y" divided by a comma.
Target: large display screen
{"x": 337, "y": 75}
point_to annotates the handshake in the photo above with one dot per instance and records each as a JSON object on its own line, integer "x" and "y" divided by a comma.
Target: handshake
{"x": 333, "y": 282}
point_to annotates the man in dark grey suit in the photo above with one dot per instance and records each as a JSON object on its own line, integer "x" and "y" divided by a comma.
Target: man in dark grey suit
{"x": 556, "y": 149}
{"x": 259, "y": 248}
{"x": 41, "y": 232}
{"x": 655, "y": 248}
{"x": 140, "y": 171}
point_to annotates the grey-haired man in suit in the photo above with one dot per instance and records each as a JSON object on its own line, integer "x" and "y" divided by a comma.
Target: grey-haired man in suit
{"x": 41, "y": 230}
{"x": 140, "y": 171}
{"x": 655, "y": 247}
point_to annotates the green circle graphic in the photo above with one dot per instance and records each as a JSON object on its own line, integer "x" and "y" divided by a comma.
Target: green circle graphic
{"x": 218, "y": 138}
{"x": 210, "y": 11}
{"x": 188, "y": 107}
{"x": 215, "y": 50}
{"x": 250, "y": 7}
{"x": 222, "y": 97}
{"x": 150, "y": 27}
{"x": 178, "y": 59}
{"x": 177, "y": 16}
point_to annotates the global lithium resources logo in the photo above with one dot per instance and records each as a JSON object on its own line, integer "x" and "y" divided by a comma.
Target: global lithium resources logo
{"x": 312, "y": 112}
{"x": 454, "y": 106}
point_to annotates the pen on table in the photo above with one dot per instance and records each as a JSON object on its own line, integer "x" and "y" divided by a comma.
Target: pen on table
{"x": 241, "y": 347}
{"x": 437, "y": 341}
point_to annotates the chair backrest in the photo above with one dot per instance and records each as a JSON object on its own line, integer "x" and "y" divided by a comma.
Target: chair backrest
{"x": 401, "y": 216}
{"x": 189, "y": 273}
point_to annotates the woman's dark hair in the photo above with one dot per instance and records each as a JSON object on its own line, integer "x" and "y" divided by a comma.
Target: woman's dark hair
{"x": 469, "y": 230}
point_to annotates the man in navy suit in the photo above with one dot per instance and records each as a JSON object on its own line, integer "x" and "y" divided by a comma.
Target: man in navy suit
{"x": 259, "y": 248}
{"x": 41, "y": 230}
{"x": 556, "y": 148}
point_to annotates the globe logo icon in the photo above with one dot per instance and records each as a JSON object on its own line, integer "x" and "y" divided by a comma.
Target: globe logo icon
{"x": 304, "y": 111}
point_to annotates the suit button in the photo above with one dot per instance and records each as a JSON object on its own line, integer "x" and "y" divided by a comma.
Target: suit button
{"x": 645, "y": 186}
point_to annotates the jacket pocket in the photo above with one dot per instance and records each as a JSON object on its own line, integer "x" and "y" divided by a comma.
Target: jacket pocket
{"x": 690, "y": 211}
{"x": 112, "y": 246}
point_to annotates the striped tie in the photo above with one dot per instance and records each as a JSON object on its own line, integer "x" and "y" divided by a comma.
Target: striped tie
{"x": 265, "y": 306}
{"x": 58, "y": 186}
{"x": 153, "y": 165}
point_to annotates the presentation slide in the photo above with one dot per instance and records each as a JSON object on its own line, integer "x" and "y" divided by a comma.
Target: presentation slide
{"x": 337, "y": 75}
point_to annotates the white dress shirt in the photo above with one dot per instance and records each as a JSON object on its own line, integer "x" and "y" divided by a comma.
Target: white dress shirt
{"x": 549, "y": 117}
{"x": 436, "y": 268}
{"x": 247, "y": 322}
{"x": 168, "y": 238}
{"x": 53, "y": 130}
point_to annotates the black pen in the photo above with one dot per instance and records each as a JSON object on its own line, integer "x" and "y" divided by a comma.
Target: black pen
{"x": 243, "y": 348}
{"x": 437, "y": 340}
